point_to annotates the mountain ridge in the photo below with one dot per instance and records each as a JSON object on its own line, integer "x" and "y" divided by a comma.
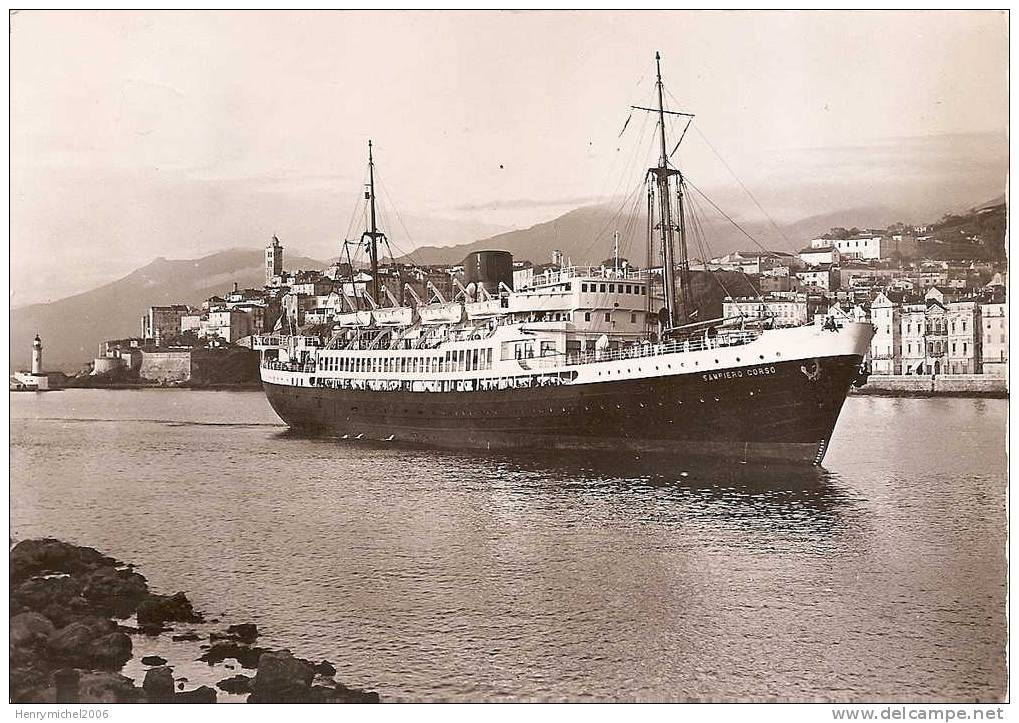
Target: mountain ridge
{"x": 72, "y": 327}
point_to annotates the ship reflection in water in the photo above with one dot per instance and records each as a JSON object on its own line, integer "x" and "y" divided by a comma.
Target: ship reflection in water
{"x": 437, "y": 575}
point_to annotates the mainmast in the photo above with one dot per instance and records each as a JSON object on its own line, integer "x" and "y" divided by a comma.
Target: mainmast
{"x": 678, "y": 310}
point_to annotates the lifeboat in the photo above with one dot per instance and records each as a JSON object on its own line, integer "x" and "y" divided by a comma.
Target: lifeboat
{"x": 394, "y": 316}
{"x": 355, "y": 318}
{"x": 450, "y": 313}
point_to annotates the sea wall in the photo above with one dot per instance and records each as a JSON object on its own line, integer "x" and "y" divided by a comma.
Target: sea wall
{"x": 224, "y": 366}
{"x": 200, "y": 367}
{"x": 165, "y": 366}
{"x": 960, "y": 385}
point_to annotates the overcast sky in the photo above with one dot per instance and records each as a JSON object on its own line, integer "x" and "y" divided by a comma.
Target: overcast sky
{"x": 136, "y": 135}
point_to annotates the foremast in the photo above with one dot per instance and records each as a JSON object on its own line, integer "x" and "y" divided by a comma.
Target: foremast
{"x": 371, "y": 237}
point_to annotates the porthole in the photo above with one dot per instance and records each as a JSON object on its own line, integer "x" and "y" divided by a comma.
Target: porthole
{"x": 762, "y": 356}
{"x": 737, "y": 358}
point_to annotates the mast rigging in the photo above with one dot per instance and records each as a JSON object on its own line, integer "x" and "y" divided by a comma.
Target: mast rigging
{"x": 373, "y": 234}
{"x": 678, "y": 304}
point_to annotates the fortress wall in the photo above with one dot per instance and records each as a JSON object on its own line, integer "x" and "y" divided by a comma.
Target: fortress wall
{"x": 165, "y": 366}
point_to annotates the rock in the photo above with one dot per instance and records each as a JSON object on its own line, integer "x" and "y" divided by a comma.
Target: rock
{"x": 281, "y": 678}
{"x": 28, "y": 681}
{"x": 153, "y": 660}
{"x": 204, "y": 694}
{"x": 106, "y": 688}
{"x": 188, "y": 635}
{"x": 245, "y": 632}
{"x": 38, "y": 693}
{"x": 158, "y": 684}
{"x": 235, "y": 684}
{"x": 247, "y": 656}
{"x": 29, "y": 629}
{"x": 158, "y": 609}
{"x": 114, "y": 592}
{"x": 153, "y": 630}
{"x": 111, "y": 651}
{"x": 59, "y": 599}
{"x": 325, "y": 668}
{"x": 71, "y": 644}
{"x": 66, "y": 682}
{"x": 31, "y": 557}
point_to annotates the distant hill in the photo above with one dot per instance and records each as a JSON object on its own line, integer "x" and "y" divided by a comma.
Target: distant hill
{"x": 584, "y": 235}
{"x": 72, "y": 328}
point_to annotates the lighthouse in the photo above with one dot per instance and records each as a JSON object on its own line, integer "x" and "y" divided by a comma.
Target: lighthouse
{"x": 37, "y": 356}
{"x": 35, "y": 380}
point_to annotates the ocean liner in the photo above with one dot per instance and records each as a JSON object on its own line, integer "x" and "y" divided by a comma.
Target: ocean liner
{"x": 581, "y": 358}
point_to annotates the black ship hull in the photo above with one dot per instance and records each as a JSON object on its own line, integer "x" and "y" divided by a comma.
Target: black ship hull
{"x": 782, "y": 412}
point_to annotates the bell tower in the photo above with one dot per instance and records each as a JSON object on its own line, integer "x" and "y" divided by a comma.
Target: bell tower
{"x": 273, "y": 260}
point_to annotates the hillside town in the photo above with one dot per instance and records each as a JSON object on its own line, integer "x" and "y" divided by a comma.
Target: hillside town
{"x": 935, "y": 294}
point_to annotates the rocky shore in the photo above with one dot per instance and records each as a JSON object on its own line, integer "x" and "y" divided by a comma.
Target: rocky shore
{"x": 76, "y": 616}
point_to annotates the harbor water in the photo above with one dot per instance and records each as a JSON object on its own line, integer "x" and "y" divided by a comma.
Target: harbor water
{"x": 437, "y": 575}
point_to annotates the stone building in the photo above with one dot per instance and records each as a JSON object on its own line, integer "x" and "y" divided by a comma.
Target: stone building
{"x": 886, "y": 346}
{"x": 994, "y": 348}
{"x": 940, "y": 337}
{"x": 964, "y": 338}
{"x": 162, "y": 323}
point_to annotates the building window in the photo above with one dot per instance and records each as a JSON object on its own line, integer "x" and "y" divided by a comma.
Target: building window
{"x": 601, "y": 288}
{"x": 633, "y": 317}
{"x": 587, "y": 316}
{"x": 608, "y": 316}
{"x": 583, "y": 287}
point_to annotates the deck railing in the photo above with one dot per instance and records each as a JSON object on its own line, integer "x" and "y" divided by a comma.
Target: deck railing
{"x": 637, "y": 351}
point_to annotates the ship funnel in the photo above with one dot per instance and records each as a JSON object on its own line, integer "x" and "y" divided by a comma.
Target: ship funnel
{"x": 489, "y": 269}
